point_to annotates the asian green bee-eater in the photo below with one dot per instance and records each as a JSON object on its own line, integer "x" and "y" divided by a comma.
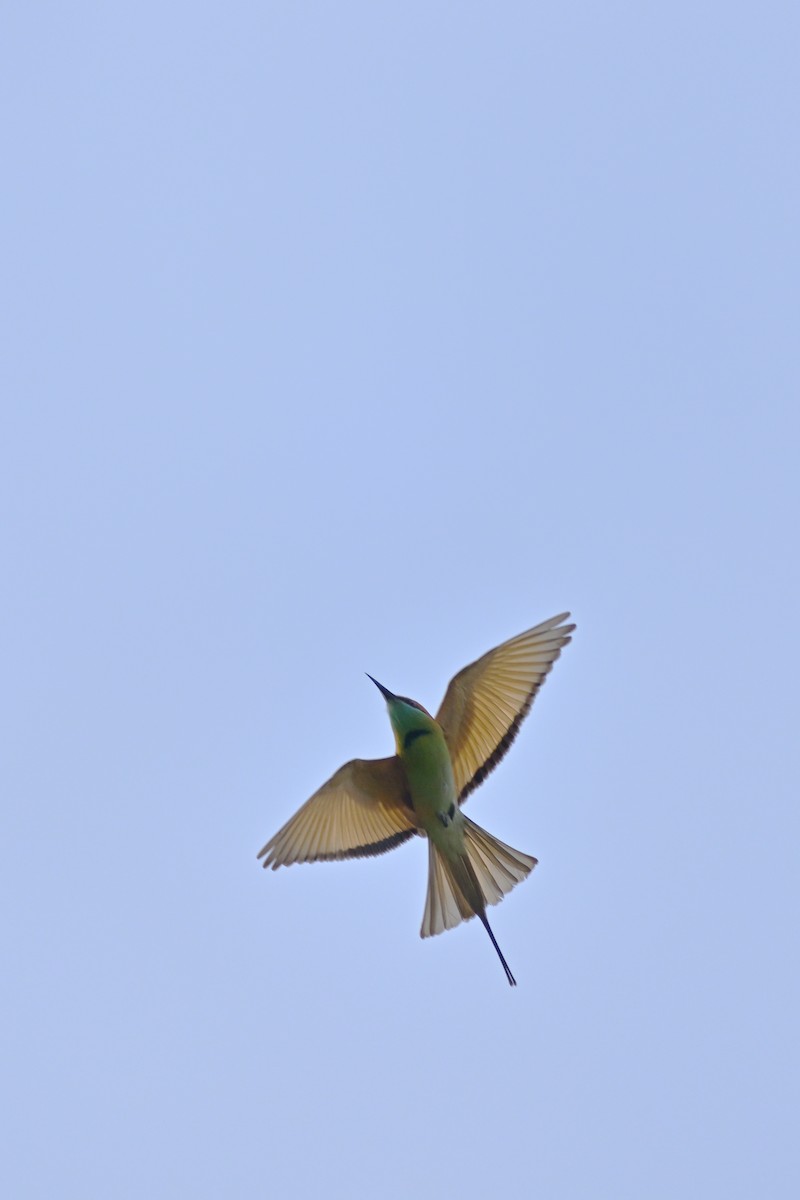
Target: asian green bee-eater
{"x": 371, "y": 805}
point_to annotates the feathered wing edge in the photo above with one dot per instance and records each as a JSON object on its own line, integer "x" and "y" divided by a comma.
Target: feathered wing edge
{"x": 362, "y": 810}
{"x": 497, "y": 868}
{"x": 487, "y": 701}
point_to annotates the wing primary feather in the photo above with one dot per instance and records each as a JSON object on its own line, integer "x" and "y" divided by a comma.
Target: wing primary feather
{"x": 486, "y": 702}
{"x": 361, "y": 811}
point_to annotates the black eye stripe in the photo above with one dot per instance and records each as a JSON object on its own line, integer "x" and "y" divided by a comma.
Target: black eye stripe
{"x": 412, "y": 736}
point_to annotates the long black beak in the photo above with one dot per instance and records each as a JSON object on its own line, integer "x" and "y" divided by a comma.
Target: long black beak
{"x": 387, "y": 695}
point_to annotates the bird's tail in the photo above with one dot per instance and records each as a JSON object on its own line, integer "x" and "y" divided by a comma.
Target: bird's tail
{"x": 460, "y": 888}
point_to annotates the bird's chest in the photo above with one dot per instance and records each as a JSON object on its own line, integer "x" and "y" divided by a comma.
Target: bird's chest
{"x": 430, "y": 778}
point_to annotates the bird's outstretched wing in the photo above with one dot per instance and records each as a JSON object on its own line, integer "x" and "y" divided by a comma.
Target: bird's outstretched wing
{"x": 486, "y": 703}
{"x": 361, "y": 810}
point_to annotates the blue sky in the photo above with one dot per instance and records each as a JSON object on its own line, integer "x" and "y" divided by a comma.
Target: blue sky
{"x": 360, "y": 337}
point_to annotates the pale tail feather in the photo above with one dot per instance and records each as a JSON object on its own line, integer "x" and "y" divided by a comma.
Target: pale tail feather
{"x": 444, "y": 904}
{"x": 497, "y": 869}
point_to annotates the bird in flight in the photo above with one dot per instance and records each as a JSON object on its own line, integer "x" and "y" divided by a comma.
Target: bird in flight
{"x": 370, "y": 806}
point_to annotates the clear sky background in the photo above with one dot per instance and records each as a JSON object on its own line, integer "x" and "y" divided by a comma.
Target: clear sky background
{"x": 359, "y": 337}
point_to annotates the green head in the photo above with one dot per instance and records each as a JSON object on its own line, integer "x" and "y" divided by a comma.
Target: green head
{"x": 409, "y": 719}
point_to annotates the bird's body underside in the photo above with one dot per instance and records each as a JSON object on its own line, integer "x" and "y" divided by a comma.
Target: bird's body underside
{"x": 370, "y": 806}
